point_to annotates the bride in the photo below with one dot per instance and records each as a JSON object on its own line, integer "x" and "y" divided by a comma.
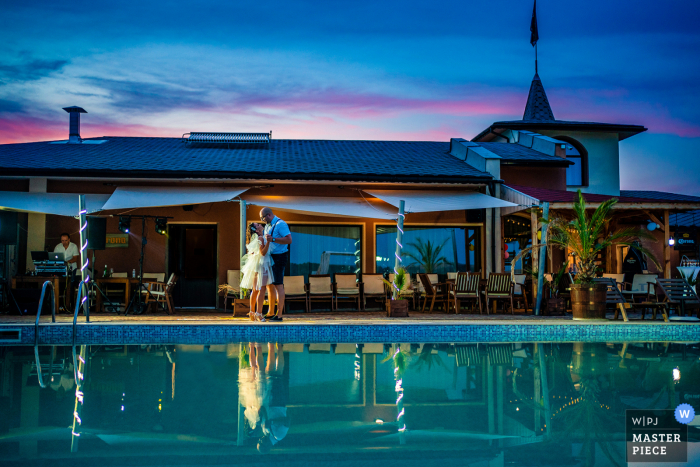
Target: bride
{"x": 257, "y": 270}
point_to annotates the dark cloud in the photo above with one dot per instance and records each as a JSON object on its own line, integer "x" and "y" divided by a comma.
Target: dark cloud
{"x": 30, "y": 70}
{"x": 150, "y": 97}
{"x": 7, "y": 106}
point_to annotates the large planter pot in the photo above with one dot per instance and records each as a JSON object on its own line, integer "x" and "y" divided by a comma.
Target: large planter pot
{"x": 397, "y": 308}
{"x": 556, "y": 306}
{"x": 588, "y": 301}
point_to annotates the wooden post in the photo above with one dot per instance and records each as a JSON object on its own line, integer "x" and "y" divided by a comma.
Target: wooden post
{"x": 667, "y": 248}
{"x": 535, "y": 251}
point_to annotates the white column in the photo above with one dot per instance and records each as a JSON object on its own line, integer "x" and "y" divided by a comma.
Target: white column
{"x": 243, "y": 226}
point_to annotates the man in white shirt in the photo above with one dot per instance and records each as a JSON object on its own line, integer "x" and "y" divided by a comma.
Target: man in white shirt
{"x": 69, "y": 250}
{"x": 280, "y": 237}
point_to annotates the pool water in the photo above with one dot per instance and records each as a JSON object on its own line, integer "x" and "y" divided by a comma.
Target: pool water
{"x": 513, "y": 404}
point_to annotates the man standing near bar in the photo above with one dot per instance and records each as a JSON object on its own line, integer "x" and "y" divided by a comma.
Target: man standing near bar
{"x": 278, "y": 234}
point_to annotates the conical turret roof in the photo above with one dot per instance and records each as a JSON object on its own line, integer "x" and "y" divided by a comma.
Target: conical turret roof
{"x": 537, "y": 107}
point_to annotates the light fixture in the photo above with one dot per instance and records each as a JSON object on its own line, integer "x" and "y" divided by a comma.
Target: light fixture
{"x": 124, "y": 224}
{"x": 671, "y": 241}
{"x": 651, "y": 226}
{"x": 161, "y": 225}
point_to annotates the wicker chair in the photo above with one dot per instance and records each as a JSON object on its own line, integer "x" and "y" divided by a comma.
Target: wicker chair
{"x": 296, "y": 289}
{"x": 372, "y": 286}
{"x": 346, "y": 287}
{"x": 320, "y": 288}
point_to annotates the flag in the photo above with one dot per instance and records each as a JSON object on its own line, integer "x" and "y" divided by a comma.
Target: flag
{"x": 534, "y": 36}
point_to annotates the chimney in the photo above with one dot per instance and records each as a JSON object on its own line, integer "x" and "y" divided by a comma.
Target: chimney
{"x": 74, "y": 132}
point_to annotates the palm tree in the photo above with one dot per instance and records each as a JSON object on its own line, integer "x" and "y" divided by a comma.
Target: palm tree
{"x": 427, "y": 255}
{"x": 586, "y": 236}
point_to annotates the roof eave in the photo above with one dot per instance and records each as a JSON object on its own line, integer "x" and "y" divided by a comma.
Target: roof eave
{"x": 623, "y": 131}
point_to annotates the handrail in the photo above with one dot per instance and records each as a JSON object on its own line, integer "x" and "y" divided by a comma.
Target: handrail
{"x": 78, "y": 303}
{"x": 41, "y": 304}
{"x": 38, "y": 364}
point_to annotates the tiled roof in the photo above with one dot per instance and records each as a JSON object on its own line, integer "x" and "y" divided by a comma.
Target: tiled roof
{"x": 511, "y": 152}
{"x": 659, "y": 195}
{"x": 560, "y": 196}
{"x": 281, "y": 159}
{"x": 537, "y": 107}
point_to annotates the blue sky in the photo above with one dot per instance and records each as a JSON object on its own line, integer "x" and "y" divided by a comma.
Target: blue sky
{"x": 357, "y": 70}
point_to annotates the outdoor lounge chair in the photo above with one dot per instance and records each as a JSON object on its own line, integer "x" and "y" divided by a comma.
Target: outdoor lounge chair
{"x": 161, "y": 293}
{"x": 434, "y": 293}
{"x": 679, "y": 295}
{"x": 372, "y": 286}
{"x": 296, "y": 289}
{"x": 520, "y": 290}
{"x": 347, "y": 287}
{"x": 320, "y": 288}
{"x": 419, "y": 286}
{"x": 642, "y": 284}
{"x": 615, "y": 298}
{"x": 408, "y": 292}
{"x": 619, "y": 279}
{"x": 499, "y": 287}
{"x": 466, "y": 287}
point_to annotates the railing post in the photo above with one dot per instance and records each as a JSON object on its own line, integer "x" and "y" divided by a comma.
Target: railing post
{"x": 84, "y": 272}
{"x": 543, "y": 253}
{"x": 243, "y": 228}
{"x": 399, "y": 239}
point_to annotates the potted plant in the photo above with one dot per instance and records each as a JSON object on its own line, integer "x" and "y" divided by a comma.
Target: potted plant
{"x": 397, "y": 307}
{"x": 555, "y": 303}
{"x": 585, "y": 235}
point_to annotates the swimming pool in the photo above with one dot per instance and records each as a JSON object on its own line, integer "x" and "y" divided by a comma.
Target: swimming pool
{"x": 317, "y": 403}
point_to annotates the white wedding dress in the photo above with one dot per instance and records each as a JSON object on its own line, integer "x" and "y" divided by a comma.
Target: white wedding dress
{"x": 257, "y": 269}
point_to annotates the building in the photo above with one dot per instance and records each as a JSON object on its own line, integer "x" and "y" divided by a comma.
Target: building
{"x": 469, "y": 199}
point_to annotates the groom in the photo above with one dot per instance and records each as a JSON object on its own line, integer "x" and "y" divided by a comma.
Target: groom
{"x": 278, "y": 235}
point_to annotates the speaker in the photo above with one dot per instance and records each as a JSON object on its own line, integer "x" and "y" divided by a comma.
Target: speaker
{"x": 8, "y": 228}
{"x": 476, "y": 215}
{"x": 96, "y": 233}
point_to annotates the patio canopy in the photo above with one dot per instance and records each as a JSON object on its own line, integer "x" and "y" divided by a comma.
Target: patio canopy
{"x": 431, "y": 201}
{"x": 61, "y": 204}
{"x": 330, "y": 206}
{"x": 149, "y": 197}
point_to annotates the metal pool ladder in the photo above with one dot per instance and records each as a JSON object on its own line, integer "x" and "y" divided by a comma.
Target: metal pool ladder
{"x": 41, "y": 304}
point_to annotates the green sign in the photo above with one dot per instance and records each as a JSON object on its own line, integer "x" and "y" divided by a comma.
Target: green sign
{"x": 117, "y": 241}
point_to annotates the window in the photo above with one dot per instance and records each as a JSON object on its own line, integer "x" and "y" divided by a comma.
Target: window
{"x": 324, "y": 249}
{"x": 576, "y": 174}
{"x": 430, "y": 249}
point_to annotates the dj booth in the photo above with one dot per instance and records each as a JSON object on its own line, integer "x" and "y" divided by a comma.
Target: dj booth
{"x": 48, "y": 266}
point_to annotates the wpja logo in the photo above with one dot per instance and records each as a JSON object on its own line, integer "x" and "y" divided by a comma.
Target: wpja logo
{"x": 657, "y": 435}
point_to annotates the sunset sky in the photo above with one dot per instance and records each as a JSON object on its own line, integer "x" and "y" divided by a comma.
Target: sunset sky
{"x": 382, "y": 70}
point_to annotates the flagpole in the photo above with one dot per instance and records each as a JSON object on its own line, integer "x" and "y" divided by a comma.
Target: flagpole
{"x": 536, "y": 58}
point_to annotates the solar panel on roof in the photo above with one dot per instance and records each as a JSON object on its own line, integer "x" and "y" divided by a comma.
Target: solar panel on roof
{"x": 227, "y": 138}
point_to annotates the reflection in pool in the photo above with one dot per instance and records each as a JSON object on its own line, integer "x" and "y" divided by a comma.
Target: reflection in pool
{"x": 373, "y": 404}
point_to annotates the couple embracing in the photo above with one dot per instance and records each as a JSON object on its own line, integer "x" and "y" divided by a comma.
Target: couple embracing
{"x": 264, "y": 266}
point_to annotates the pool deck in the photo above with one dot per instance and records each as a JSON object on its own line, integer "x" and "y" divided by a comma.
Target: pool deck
{"x": 217, "y": 327}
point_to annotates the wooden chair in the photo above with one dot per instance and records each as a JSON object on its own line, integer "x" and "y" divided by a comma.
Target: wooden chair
{"x": 296, "y": 289}
{"x": 641, "y": 286}
{"x": 148, "y": 279}
{"x": 233, "y": 280}
{"x": 161, "y": 293}
{"x": 618, "y": 278}
{"x": 432, "y": 291}
{"x": 320, "y": 288}
{"x": 419, "y": 286}
{"x": 346, "y": 287}
{"x": 520, "y": 290}
{"x": 452, "y": 276}
{"x": 372, "y": 286}
{"x": 466, "y": 287}
{"x": 615, "y": 298}
{"x": 407, "y": 292}
{"x": 679, "y": 295}
{"x": 499, "y": 287}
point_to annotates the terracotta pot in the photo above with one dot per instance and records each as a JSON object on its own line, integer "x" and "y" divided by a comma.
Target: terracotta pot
{"x": 241, "y": 307}
{"x": 397, "y": 308}
{"x": 588, "y": 301}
